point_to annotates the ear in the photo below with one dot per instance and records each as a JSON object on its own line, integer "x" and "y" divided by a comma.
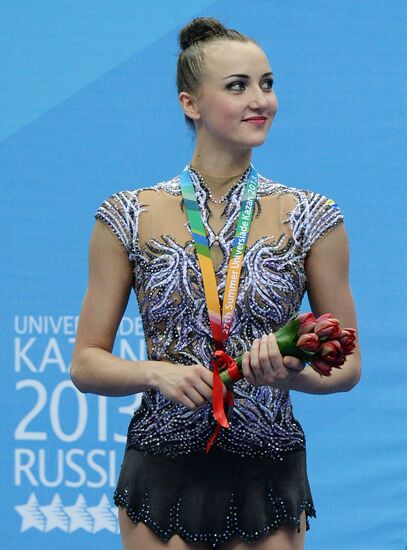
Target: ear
{"x": 189, "y": 105}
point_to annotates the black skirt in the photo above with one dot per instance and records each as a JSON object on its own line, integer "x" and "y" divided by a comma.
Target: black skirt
{"x": 214, "y": 497}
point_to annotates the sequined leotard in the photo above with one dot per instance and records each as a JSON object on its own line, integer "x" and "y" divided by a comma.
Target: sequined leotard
{"x": 153, "y": 228}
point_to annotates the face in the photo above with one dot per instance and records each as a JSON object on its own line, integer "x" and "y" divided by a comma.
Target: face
{"x": 235, "y": 104}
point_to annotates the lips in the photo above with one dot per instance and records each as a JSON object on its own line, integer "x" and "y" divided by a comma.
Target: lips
{"x": 255, "y": 119}
{"x": 259, "y": 121}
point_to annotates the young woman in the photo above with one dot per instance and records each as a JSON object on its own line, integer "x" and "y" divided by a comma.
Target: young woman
{"x": 252, "y": 486}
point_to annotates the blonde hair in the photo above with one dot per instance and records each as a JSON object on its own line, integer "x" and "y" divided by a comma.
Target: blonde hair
{"x": 192, "y": 39}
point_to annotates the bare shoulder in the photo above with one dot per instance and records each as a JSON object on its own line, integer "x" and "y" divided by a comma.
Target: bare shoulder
{"x": 327, "y": 272}
{"x": 109, "y": 285}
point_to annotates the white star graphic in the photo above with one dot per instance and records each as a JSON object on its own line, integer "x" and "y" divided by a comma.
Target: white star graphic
{"x": 79, "y": 515}
{"x": 103, "y": 516}
{"x": 31, "y": 514}
{"x": 56, "y": 517}
{"x": 115, "y": 512}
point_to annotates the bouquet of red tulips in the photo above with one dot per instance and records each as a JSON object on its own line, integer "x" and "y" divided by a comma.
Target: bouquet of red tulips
{"x": 321, "y": 342}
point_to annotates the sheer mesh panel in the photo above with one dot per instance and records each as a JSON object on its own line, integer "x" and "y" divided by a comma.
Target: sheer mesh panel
{"x": 153, "y": 227}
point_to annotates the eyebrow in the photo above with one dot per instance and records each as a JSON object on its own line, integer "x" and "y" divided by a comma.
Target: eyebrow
{"x": 247, "y": 76}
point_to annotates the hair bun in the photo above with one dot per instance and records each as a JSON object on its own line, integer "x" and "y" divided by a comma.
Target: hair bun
{"x": 200, "y": 29}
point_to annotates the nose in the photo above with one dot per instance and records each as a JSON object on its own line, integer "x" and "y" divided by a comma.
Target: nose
{"x": 258, "y": 98}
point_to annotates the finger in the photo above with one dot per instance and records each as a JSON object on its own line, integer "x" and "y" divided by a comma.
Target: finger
{"x": 197, "y": 399}
{"x": 255, "y": 366}
{"x": 246, "y": 364}
{"x": 205, "y": 385}
{"x": 264, "y": 355}
{"x": 204, "y": 390}
{"x": 275, "y": 357}
{"x": 247, "y": 372}
{"x": 187, "y": 402}
{"x": 293, "y": 363}
{"x": 206, "y": 376}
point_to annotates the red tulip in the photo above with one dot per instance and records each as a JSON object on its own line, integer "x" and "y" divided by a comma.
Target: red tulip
{"x": 307, "y": 323}
{"x": 332, "y": 352}
{"x": 324, "y": 316}
{"x": 347, "y": 340}
{"x": 320, "y": 342}
{"x": 327, "y": 327}
{"x": 308, "y": 342}
{"x": 321, "y": 367}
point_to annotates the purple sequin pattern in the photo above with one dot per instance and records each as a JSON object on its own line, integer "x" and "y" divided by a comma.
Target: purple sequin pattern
{"x": 172, "y": 305}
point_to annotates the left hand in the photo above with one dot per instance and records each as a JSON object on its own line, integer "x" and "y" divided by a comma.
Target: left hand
{"x": 264, "y": 365}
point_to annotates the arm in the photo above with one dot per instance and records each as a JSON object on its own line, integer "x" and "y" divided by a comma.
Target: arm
{"x": 327, "y": 270}
{"x": 94, "y": 368}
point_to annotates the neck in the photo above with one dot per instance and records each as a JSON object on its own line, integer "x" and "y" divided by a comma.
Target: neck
{"x": 220, "y": 163}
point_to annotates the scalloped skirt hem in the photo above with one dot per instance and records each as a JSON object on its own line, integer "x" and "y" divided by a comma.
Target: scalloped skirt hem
{"x": 213, "y": 498}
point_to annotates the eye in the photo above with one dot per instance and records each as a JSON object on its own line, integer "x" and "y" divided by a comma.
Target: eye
{"x": 236, "y": 86}
{"x": 267, "y": 84}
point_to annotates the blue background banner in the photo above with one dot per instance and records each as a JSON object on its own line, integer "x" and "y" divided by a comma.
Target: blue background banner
{"x": 89, "y": 107}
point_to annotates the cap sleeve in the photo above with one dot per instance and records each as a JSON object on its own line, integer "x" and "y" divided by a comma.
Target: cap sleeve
{"x": 120, "y": 212}
{"x": 321, "y": 215}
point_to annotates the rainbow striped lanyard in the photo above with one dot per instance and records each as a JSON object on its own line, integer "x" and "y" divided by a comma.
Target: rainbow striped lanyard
{"x": 220, "y": 324}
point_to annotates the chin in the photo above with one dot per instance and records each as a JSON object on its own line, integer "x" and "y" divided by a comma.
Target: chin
{"x": 257, "y": 142}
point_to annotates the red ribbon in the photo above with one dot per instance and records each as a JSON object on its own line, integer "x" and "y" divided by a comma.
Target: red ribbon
{"x": 233, "y": 371}
{"x": 225, "y": 362}
{"x": 221, "y": 360}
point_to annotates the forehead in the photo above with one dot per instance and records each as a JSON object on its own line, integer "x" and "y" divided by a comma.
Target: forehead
{"x": 227, "y": 57}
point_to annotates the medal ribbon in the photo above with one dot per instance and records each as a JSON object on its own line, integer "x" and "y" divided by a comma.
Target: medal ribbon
{"x": 220, "y": 323}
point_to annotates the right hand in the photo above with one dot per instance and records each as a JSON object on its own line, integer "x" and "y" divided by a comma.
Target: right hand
{"x": 189, "y": 385}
